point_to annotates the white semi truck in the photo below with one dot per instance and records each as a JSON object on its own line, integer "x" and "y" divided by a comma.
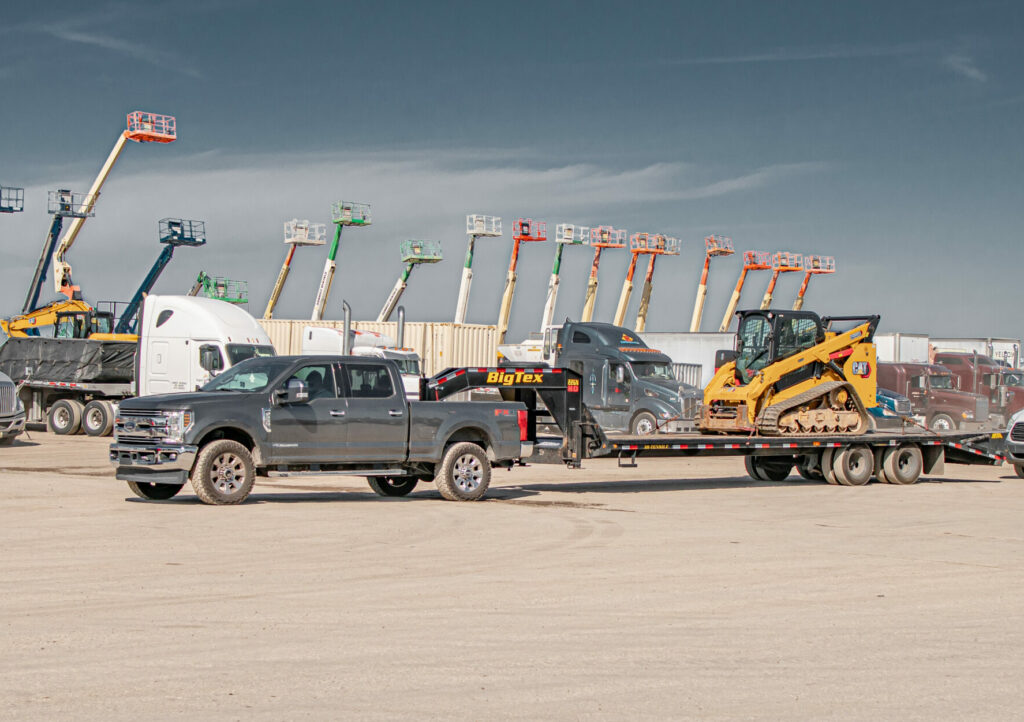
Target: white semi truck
{"x": 74, "y": 384}
{"x": 330, "y": 341}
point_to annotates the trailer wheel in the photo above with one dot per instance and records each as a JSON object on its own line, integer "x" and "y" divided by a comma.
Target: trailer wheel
{"x": 827, "y": 466}
{"x": 464, "y": 473}
{"x": 753, "y": 469}
{"x": 98, "y": 418}
{"x": 809, "y": 467}
{"x": 903, "y": 464}
{"x": 224, "y": 473}
{"x": 942, "y": 422}
{"x": 392, "y": 485}
{"x": 775, "y": 468}
{"x": 154, "y": 492}
{"x": 1019, "y": 468}
{"x": 65, "y": 417}
{"x": 643, "y": 424}
{"x": 854, "y": 465}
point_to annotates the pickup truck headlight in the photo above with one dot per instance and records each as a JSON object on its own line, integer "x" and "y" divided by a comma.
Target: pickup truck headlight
{"x": 178, "y": 422}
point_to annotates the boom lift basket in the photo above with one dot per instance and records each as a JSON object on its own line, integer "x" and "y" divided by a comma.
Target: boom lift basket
{"x": 607, "y": 237}
{"x": 572, "y": 235}
{"x": 348, "y": 213}
{"x": 785, "y": 261}
{"x": 421, "y": 251}
{"x": 529, "y": 230}
{"x": 757, "y": 260}
{"x": 151, "y": 127}
{"x": 304, "y": 233}
{"x": 718, "y": 246}
{"x": 478, "y": 225}
{"x": 181, "y": 232}
{"x": 225, "y": 289}
{"x": 819, "y": 264}
{"x": 66, "y": 204}
{"x": 654, "y": 243}
{"x": 12, "y": 200}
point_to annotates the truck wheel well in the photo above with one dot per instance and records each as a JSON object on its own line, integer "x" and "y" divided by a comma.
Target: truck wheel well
{"x": 474, "y": 436}
{"x": 228, "y": 433}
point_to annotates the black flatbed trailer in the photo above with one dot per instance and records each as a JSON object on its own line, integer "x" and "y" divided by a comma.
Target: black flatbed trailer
{"x": 912, "y": 451}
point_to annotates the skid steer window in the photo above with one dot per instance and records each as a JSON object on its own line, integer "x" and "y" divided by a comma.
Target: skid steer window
{"x": 796, "y": 335}
{"x": 753, "y": 347}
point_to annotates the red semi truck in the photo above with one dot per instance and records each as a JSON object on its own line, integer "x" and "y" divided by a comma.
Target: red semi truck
{"x": 980, "y": 374}
{"x": 933, "y": 394}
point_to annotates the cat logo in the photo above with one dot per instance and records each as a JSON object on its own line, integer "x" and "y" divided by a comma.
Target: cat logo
{"x": 503, "y": 378}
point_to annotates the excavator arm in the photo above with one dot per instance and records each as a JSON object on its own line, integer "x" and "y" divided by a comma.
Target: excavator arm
{"x": 28, "y": 324}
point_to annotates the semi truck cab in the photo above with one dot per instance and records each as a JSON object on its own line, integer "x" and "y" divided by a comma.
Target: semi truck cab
{"x": 933, "y": 394}
{"x": 369, "y": 344}
{"x": 984, "y": 375}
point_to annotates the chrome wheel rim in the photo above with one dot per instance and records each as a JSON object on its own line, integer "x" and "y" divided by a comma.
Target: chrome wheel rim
{"x": 942, "y": 425}
{"x": 644, "y": 427}
{"x": 62, "y": 417}
{"x": 469, "y": 472}
{"x": 94, "y": 419}
{"x": 227, "y": 473}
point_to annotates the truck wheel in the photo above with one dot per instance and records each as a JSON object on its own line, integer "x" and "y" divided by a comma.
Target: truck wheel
{"x": 809, "y": 468}
{"x": 98, "y": 418}
{"x": 643, "y": 424}
{"x": 753, "y": 469}
{"x": 65, "y": 417}
{"x": 1019, "y": 468}
{"x": 155, "y": 492}
{"x": 827, "y": 465}
{"x": 224, "y": 473}
{"x": 392, "y": 485}
{"x": 854, "y": 465}
{"x": 465, "y": 472}
{"x": 903, "y": 464}
{"x": 774, "y": 468}
{"x": 942, "y": 422}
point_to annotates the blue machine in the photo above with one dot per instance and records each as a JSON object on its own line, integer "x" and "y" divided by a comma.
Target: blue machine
{"x": 173, "y": 232}
{"x": 891, "y": 410}
{"x": 61, "y": 204}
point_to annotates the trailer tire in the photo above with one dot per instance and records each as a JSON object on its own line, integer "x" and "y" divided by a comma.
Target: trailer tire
{"x": 854, "y": 465}
{"x": 98, "y": 418}
{"x": 65, "y": 417}
{"x": 392, "y": 485}
{"x": 903, "y": 464}
{"x": 464, "y": 472}
{"x": 753, "y": 469}
{"x": 827, "y": 466}
{"x": 154, "y": 492}
{"x": 775, "y": 468}
{"x": 643, "y": 424}
{"x": 807, "y": 469}
{"x": 942, "y": 422}
{"x": 224, "y": 473}
{"x": 1019, "y": 468}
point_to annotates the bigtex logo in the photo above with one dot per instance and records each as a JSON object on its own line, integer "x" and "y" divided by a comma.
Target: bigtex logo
{"x": 518, "y": 377}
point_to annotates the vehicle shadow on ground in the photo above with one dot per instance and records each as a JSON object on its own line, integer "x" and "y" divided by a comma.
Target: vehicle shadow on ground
{"x": 20, "y": 442}
{"x": 638, "y": 485}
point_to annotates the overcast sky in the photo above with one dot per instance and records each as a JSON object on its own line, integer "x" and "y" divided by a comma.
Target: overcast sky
{"x": 886, "y": 134}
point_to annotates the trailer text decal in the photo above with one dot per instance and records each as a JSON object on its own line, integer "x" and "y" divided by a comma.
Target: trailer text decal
{"x": 507, "y": 379}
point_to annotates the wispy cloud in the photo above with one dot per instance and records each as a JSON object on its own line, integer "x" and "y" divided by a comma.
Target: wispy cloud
{"x": 136, "y": 51}
{"x": 965, "y": 67}
{"x": 795, "y": 55}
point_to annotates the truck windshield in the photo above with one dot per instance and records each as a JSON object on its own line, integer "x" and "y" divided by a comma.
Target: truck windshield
{"x": 659, "y": 370}
{"x": 940, "y": 382}
{"x": 251, "y": 375}
{"x": 409, "y": 366}
{"x": 1013, "y": 379}
{"x": 238, "y": 352}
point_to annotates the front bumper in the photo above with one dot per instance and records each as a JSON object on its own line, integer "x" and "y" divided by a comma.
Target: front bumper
{"x": 11, "y": 426}
{"x": 160, "y": 464}
{"x": 1014, "y": 451}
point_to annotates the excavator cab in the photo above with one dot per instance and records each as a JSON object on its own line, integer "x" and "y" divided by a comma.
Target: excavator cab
{"x": 765, "y": 337}
{"x": 83, "y": 324}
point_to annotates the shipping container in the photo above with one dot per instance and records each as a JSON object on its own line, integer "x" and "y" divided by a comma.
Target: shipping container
{"x": 1006, "y": 350}
{"x": 902, "y": 347}
{"x": 440, "y": 345}
{"x": 692, "y": 349}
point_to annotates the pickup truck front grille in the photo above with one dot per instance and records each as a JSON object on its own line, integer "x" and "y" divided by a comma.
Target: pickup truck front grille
{"x": 1017, "y": 432}
{"x": 8, "y": 398}
{"x": 139, "y": 427}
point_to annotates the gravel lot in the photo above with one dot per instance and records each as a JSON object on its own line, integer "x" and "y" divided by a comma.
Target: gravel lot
{"x": 677, "y": 589}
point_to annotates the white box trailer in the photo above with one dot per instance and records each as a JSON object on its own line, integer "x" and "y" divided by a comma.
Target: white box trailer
{"x": 691, "y": 348}
{"x": 902, "y": 347}
{"x": 1006, "y": 350}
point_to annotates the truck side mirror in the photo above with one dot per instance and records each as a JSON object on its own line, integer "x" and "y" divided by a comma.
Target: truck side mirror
{"x": 296, "y": 392}
{"x": 547, "y": 343}
{"x": 210, "y": 358}
{"x": 620, "y": 375}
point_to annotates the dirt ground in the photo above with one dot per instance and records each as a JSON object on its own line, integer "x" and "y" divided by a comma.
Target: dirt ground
{"x": 680, "y": 589}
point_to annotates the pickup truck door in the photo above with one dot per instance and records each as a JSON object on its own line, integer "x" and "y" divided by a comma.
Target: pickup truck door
{"x": 378, "y": 414}
{"x": 313, "y": 431}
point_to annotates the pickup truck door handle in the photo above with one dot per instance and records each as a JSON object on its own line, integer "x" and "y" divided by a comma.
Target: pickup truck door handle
{"x": 394, "y": 412}
{"x": 336, "y": 412}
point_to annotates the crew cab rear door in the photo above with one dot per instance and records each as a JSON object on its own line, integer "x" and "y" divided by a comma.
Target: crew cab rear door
{"x": 377, "y": 413}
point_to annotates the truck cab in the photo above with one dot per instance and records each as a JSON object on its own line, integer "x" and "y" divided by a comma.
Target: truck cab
{"x": 984, "y": 375}
{"x": 933, "y": 394}
{"x": 369, "y": 344}
{"x": 626, "y": 385}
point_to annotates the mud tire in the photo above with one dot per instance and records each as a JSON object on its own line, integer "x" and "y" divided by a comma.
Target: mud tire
{"x": 154, "y": 492}
{"x": 392, "y": 485}
{"x": 464, "y": 472}
{"x": 224, "y": 473}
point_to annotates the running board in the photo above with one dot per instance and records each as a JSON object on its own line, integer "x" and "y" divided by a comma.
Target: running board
{"x": 340, "y": 472}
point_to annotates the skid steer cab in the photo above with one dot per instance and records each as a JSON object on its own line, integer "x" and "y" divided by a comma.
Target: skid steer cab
{"x": 793, "y": 372}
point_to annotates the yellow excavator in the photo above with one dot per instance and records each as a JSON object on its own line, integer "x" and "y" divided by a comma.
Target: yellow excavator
{"x": 71, "y": 318}
{"x": 794, "y": 373}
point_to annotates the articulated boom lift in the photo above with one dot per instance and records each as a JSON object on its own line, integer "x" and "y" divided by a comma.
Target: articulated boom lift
{"x": 524, "y": 230}
{"x": 600, "y": 238}
{"x": 656, "y": 245}
{"x": 566, "y": 234}
{"x": 142, "y": 128}
{"x": 477, "y": 226}
{"x": 61, "y": 204}
{"x": 413, "y": 254}
{"x": 813, "y": 265}
{"x": 752, "y": 261}
{"x": 792, "y": 374}
{"x": 12, "y": 200}
{"x": 713, "y": 246}
{"x": 220, "y": 288}
{"x": 174, "y": 232}
{"x": 296, "y": 233}
{"x": 343, "y": 213}
{"x": 782, "y": 262}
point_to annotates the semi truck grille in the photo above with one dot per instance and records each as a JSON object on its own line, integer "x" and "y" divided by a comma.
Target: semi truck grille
{"x": 8, "y": 398}
{"x": 1017, "y": 432}
{"x": 981, "y": 413}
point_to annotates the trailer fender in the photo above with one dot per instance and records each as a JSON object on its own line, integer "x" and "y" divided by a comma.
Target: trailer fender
{"x": 934, "y": 458}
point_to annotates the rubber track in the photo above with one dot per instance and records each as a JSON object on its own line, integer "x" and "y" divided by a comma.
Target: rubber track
{"x": 768, "y": 420}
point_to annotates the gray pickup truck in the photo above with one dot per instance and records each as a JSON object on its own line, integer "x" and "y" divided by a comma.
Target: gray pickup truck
{"x": 293, "y": 414}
